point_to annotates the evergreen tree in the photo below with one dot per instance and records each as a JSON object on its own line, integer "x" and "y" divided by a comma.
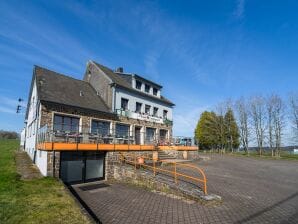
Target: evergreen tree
{"x": 205, "y": 132}
{"x": 231, "y": 130}
{"x": 220, "y": 136}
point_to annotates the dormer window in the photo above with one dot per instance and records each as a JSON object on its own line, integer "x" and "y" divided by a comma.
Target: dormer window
{"x": 147, "y": 88}
{"x": 138, "y": 85}
{"x": 155, "y": 91}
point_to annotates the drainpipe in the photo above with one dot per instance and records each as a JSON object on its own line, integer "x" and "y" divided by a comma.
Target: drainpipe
{"x": 54, "y": 160}
{"x": 114, "y": 101}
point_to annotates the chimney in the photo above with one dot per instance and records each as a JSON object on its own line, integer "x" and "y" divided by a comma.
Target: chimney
{"x": 119, "y": 70}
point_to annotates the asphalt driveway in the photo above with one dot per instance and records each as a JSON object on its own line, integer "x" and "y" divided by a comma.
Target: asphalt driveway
{"x": 253, "y": 191}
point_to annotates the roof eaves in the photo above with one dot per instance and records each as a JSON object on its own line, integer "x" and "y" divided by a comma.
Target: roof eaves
{"x": 166, "y": 101}
{"x": 147, "y": 80}
{"x": 82, "y": 108}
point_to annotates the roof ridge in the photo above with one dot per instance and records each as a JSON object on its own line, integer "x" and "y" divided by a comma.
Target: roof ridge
{"x": 58, "y": 73}
{"x": 100, "y": 66}
{"x": 122, "y": 82}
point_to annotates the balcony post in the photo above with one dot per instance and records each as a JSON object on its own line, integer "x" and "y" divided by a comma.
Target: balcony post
{"x": 175, "y": 172}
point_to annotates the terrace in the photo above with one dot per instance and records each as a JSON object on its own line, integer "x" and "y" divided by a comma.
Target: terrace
{"x": 62, "y": 137}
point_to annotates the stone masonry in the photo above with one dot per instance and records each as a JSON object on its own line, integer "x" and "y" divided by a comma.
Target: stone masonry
{"x": 53, "y": 167}
{"x": 46, "y": 118}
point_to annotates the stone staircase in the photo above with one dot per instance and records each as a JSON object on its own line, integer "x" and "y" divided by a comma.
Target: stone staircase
{"x": 163, "y": 156}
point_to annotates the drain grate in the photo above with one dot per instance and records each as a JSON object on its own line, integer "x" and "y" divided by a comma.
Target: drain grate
{"x": 93, "y": 187}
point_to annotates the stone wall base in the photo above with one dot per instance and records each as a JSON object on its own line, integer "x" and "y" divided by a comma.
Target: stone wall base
{"x": 113, "y": 159}
{"x": 190, "y": 155}
{"x": 143, "y": 178}
{"x": 53, "y": 166}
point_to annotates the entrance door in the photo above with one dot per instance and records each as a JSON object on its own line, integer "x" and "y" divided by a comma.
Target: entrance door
{"x": 138, "y": 135}
{"x": 80, "y": 167}
{"x": 94, "y": 166}
{"x": 150, "y": 135}
{"x": 163, "y": 137}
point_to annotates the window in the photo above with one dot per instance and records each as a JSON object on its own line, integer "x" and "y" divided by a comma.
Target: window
{"x": 147, "y": 109}
{"x": 165, "y": 114}
{"x": 138, "y": 107}
{"x": 155, "y": 91}
{"x": 155, "y": 111}
{"x": 124, "y": 104}
{"x": 147, "y": 88}
{"x": 150, "y": 135}
{"x": 138, "y": 84}
{"x": 33, "y": 102}
{"x": 122, "y": 131}
{"x": 100, "y": 127}
{"x": 163, "y": 134}
{"x": 66, "y": 123}
{"x": 28, "y": 131}
{"x": 33, "y": 128}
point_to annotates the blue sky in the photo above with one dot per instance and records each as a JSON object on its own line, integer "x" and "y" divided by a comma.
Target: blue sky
{"x": 202, "y": 52}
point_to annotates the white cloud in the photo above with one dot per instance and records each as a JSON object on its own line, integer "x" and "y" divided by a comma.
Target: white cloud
{"x": 9, "y": 105}
{"x": 151, "y": 60}
{"x": 7, "y": 110}
{"x": 240, "y": 9}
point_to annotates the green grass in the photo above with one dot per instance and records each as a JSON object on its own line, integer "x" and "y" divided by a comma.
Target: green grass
{"x": 265, "y": 155}
{"x": 32, "y": 201}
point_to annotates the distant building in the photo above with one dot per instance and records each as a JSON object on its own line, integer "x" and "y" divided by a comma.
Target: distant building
{"x": 73, "y": 126}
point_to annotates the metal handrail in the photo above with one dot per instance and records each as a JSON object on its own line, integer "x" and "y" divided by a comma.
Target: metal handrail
{"x": 134, "y": 161}
{"x": 86, "y": 134}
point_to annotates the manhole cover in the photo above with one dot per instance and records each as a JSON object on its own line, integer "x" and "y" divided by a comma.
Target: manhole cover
{"x": 93, "y": 187}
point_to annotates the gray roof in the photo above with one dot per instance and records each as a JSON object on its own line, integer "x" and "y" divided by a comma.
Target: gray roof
{"x": 62, "y": 89}
{"x": 119, "y": 80}
{"x": 148, "y": 81}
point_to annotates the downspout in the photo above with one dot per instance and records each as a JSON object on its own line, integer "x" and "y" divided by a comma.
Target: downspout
{"x": 36, "y": 129}
{"x": 54, "y": 160}
{"x": 114, "y": 96}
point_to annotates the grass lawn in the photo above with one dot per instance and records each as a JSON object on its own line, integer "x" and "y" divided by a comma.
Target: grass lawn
{"x": 265, "y": 155}
{"x": 33, "y": 201}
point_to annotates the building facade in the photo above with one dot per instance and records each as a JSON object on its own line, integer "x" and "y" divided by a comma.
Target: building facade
{"x": 72, "y": 126}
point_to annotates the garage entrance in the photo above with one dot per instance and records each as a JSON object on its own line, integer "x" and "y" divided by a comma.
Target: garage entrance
{"x": 81, "y": 167}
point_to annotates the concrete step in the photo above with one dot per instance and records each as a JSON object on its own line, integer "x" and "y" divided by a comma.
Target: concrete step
{"x": 164, "y": 156}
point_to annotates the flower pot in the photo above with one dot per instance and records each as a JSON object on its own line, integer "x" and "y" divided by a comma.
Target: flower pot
{"x": 140, "y": 160}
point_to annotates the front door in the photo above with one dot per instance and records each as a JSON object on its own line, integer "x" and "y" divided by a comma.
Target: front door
{"x": 81, "y": 167}
{"x": 138, "y": 135}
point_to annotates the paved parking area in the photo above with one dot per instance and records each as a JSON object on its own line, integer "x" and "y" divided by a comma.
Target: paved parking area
{"x": 253, "y": 191}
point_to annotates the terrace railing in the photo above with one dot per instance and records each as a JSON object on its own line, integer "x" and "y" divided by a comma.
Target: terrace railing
{"x": 177, "y": 170}
{"x": 84, "y": 134}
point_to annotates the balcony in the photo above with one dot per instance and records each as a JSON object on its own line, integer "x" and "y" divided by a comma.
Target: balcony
{"x": 143, "y": 116}
{"x": 83, "y": 138}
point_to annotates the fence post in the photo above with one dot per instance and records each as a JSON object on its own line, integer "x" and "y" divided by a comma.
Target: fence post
{"x": 175, "y": 172}
{"x": 154, "y": 171}
{"x": 135, "y": 160}
{"x": 205, "y": 186}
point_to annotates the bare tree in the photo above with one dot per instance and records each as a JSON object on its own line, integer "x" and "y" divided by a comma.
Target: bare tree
{"x": 294, "y": 114}
{"x": 276, "y": 122}
{"x": 242, "y": 112}
{"x": 258, "y": 115}
{"x": 270, "y": 112}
